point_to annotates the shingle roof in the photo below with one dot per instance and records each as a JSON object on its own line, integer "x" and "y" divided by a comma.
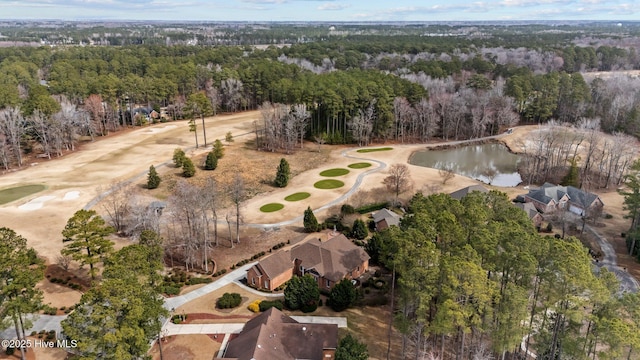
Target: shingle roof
{"x": 548, "y": 192}
{"x": 274, "y": 264}
{"x": 388, "y": 216}
{"x": 459, "y": 194}
{"x": 273, "y": 335}
{"x": 332, "y": 259}
{"x": 528, "y": 208}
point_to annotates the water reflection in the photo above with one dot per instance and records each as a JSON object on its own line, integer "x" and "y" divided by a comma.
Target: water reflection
{"x": 489, "y": 163}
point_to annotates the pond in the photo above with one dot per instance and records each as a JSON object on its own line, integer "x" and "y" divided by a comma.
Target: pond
{"x": 490, "y": 163}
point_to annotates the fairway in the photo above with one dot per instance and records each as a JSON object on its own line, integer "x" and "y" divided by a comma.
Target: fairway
{"x": 271, "y": 207}
{"x": 328, "y": 184}
{"x": 374, "y": 150}
{"x": 334, "y": 172}
{"x": 360, "y": 165}
{"x": 297, "y": 196}
{"x": 15, "y": 193}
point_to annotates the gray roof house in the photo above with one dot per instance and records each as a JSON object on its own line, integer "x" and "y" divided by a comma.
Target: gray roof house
{"x": 550, "y": 197}
{"x": 385, "y": 218}
{"x": 459, "y": 194}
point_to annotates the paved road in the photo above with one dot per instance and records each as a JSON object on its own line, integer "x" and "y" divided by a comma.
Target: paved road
{"x": 627, "y": 282}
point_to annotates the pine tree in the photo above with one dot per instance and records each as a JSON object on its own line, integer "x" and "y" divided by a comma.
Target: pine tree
{"x": 178, "y": 157}
{"x": 228, "y": 137}
{"x": 350, "y": 348}
{"x": 188, "y": 169}
{"x": 153, "y": 179}
{"x": 218, "y": 149}
{"x": 359, "y": 230}
{"x": 310, "y": 221}
{"x": 572, "y": 178}
{"x": 343, "y": 295}
{"x": 283, "y": 175}
{"x": 85, "y": 239}
{"x": 212, "y": 161}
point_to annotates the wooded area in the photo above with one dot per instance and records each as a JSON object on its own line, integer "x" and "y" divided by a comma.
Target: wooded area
{"x": 350, "y": 89}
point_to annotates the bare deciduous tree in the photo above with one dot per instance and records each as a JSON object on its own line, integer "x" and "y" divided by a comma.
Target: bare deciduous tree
{"x": 446, "y": 172}
{"x": 399, "y": 180}
{"x": 12, "y": 129}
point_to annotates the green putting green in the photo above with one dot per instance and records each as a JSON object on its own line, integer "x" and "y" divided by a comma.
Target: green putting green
{"x": 375, "y": 149}
{"x": 15, "y": 193}
{"x": 328, "y": 184}
{"x": 271, "y": 207}
{"x": 334, "y": 172}
{"x": 361, "y": 165}
{"x": 297, "y": 196}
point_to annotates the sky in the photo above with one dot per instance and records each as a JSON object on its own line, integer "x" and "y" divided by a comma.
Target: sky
{"x": 321, "y": 10}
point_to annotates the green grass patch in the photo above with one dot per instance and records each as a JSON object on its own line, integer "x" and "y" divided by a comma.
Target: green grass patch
{"x": 361, "y": 165}
{"x": 334, "y": 172}
{"x": 271, "y": 207}
{"x": 297, "y": 196}
{"x": 328, "y": 184}
{"x": 15, "y": 193}
{"x": 375, "y": 149}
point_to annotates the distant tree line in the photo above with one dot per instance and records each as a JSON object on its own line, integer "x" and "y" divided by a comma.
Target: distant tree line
{"x": 348, "y": 90}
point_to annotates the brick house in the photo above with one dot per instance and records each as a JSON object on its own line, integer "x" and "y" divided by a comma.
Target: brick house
{"x": 273, "y": 335}
{"x": 551, "y": 197}
{"x": 327, "y": 261}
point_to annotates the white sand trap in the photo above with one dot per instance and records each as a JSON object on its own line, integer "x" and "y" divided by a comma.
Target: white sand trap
{"x": 158, "y": 130}
{"x": 36, "y": 203}
{"x": 71, "y": 195}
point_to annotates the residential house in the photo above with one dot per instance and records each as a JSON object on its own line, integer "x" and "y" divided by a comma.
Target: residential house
{"x": 551, "y": 197}
{"x": 459, "y": 194}
{"x": 385, "y": 218}
{"x": 532, "y": 212}
{"x": 273, "y": 335}
{"x": 327, "y": 261}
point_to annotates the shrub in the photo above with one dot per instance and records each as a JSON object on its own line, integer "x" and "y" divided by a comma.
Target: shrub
{"x": 310, "y": 222}
{"x": 268, "y": 304}
{"x": 549, "y": 227}
{"x": 254, "y": 306}
{"x": 178, "y": 157}
{"x": 188, "y": 169}
{"x": 229, "y": 301}
{"x": 342, "y": 296}
{"x": 9, "y": 351}
{"x": 608, "y": 216}
{"x": 171, "y": 290}
{"x": 347, "y": 209}
{"x": 218, "y": 149}
{"x": 199, "y": 280}
{"x": 372, "y": 207}
{"x": 283, "y": 174}
{"x": 212, "y": 161}
{"x": 153, "y": 179}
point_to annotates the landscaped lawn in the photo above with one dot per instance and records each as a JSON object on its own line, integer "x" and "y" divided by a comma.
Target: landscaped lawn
{"x": 328, "y": 184}
{"x": 360, "y": 165}
{"x": 297, "y": 196}
{"x": 15, "y": 193}
{"x": 271, "y": 207}
{"x": 375, "y": 149}
{"x": 334, "y": 172}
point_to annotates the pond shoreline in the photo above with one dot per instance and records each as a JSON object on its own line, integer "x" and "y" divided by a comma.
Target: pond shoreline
{"x": 489, "y": 153}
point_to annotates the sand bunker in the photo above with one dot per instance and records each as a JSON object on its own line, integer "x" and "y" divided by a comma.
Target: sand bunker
{"x": 36, "y": 203}
{"x": 71, "y": 195}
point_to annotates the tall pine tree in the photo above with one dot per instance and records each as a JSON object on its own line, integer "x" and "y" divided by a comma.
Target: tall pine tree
{"x": 85, "y": 239}
{"x": 310, "y": 222}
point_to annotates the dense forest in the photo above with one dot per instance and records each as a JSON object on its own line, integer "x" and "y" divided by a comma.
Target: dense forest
{"x": 360, "y": 85}
{"x": 475, "y": 272}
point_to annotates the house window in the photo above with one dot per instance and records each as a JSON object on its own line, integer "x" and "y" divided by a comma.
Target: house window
{"x": 328, "y": 283}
